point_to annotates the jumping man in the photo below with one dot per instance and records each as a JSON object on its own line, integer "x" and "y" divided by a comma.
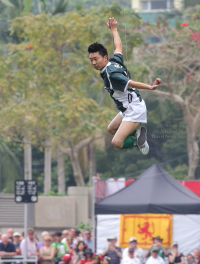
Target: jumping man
{"x": 124, "y": 92}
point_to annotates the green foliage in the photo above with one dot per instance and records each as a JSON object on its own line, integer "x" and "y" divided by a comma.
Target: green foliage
{"x": 52, "y": 193}
{"x": 190, "y": 3}
{"x": 52, "y": 90}
{"x": 27, "y": 6}
{"x": 83, "y": 226}
{"x": 180, "y": 172}
{"x": 10, "y": 169}
{"x": 61, "y": 7}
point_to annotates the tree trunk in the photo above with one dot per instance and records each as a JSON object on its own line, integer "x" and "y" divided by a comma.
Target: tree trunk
{"x": 27, "y": 158}
{"x": 92, "y": 160}
{"x": 61, "y": 172}
{"x": 73, "y": 153}
{"x": 192, "y": 144}
{"x": 194, "y": 160}
{"x": 78, "y": 176}
{"x": 47, "y": 166}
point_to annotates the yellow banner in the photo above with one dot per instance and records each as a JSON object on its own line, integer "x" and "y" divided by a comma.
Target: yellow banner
{"x": 145, "y": 227}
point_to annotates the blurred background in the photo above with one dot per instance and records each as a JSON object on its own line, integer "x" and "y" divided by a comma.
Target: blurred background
{"x": 54, "y": 111}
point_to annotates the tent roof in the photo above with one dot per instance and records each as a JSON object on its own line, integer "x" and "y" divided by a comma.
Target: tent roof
{"x": 155, "y": 191}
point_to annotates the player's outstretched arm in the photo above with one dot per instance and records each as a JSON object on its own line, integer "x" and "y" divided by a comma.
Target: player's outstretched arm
{"x": 140, "y": 85}
{"x": 112, "y": 24}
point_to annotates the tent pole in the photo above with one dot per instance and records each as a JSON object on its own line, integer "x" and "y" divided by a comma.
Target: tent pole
{"x": 93, "y": 216}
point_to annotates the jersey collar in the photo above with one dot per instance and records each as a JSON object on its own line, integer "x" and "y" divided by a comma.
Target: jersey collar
{"x": 105, "y": 67}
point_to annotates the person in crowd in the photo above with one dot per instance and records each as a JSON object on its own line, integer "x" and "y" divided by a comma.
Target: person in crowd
{"x": 138, "y": 252}
{"x": 65, "y": 234}
{"x": 72, "y": 233}
{"x": 175, "y": 256}
{"x": 190, "y": 259}
{"x": 162, "y": 252}
{"x": 196, "y": 252}
{"x": 32, "y": 245}
{"x": 79, "y": 252}
{"x": 10, "y": 239}
{"x": 53, "y": 237}
{"x": 0, "y": 236}
{"x": 113, "y": 252}
{"x": 43, "y": 235}
{"x": 36, "y": 238}
{"x": 88, "y": 238}
{"x": 70, "y": 247}
{"x": 70, "y": 242}
{"x": 155, "y": 258}
{"x": 130, "y": 259}
{"x": 96, "y": 259}
{"x": 47, "y": 252}
{"x": 7, "y": 249}
{"x": 197, "y": 256}
{"x": 10, "y": 233}
{"x": 60, "y": 248}
{"x": 88, "y": 256}
{"x": 17, "y": 241}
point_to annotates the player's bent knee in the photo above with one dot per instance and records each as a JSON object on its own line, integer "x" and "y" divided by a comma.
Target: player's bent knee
{"x": 111, "y": 130}
{"x": 117, "y": 143}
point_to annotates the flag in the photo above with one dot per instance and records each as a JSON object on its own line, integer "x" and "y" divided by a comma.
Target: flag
{"x": 145, "y": 227}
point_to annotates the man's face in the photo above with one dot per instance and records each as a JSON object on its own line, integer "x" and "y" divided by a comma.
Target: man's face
{"x": 4, "y": 240}
{"x": 189, "y": 258}
{"x": 65, "y": 233}
{"x": 157, "y": 242}
{"x": 113, "y": 242}
{"x": 16, "y": 239}
{"x": 31, "y": 235}
{"x": 87, "y": 235}
{"x": 133, "y": 244}
{"x": 155, "y": 254}
{"x": 196, "y": 253}
{"x": 73, "y": 232}
{"x": 53, "y": 238}
{"x": 10, "y": 232}
{"x": 98, "y": 61}
{"x": 58, "y": 238}
{"x": 175, "y": 247}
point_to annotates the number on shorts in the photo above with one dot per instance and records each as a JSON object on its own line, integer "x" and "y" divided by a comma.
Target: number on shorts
{"x": 130, "y": 98}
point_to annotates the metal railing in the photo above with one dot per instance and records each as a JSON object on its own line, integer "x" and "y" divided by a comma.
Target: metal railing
{"x": 19, "y": 259}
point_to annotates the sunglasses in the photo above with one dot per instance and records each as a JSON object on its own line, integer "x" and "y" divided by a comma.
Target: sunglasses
{"x": 48, "y": 240}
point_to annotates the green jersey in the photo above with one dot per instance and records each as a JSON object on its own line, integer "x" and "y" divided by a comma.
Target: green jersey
{"x": 60, "y": 248}
{"x": 116, "y": 78}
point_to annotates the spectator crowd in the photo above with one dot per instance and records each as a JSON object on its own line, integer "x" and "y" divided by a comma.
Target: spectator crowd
{"x": 74, "y": 247}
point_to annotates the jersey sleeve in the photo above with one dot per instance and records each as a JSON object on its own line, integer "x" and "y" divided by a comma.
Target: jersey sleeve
{"x": 119, "y": 81}
{"x": 118, "y": 57}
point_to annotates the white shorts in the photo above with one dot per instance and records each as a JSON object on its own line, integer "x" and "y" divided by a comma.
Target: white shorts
{"x": 136, "y": 112}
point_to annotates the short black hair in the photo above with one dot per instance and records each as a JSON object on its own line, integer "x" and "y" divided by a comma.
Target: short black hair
{"x": 59, "y": 234}
{"x": 97, "y": 47}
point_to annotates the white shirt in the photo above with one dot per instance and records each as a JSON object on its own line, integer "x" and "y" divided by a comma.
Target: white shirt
{"x": 129, "y": 260}
{"x": 157, "y": 260}
{"x": 64, "y": 240}
{"x": 138, "y": 253}
{"x": 31, "y": 247}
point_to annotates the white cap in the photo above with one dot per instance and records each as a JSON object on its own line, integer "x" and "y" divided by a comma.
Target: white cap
{"x": 133, "y": 239}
